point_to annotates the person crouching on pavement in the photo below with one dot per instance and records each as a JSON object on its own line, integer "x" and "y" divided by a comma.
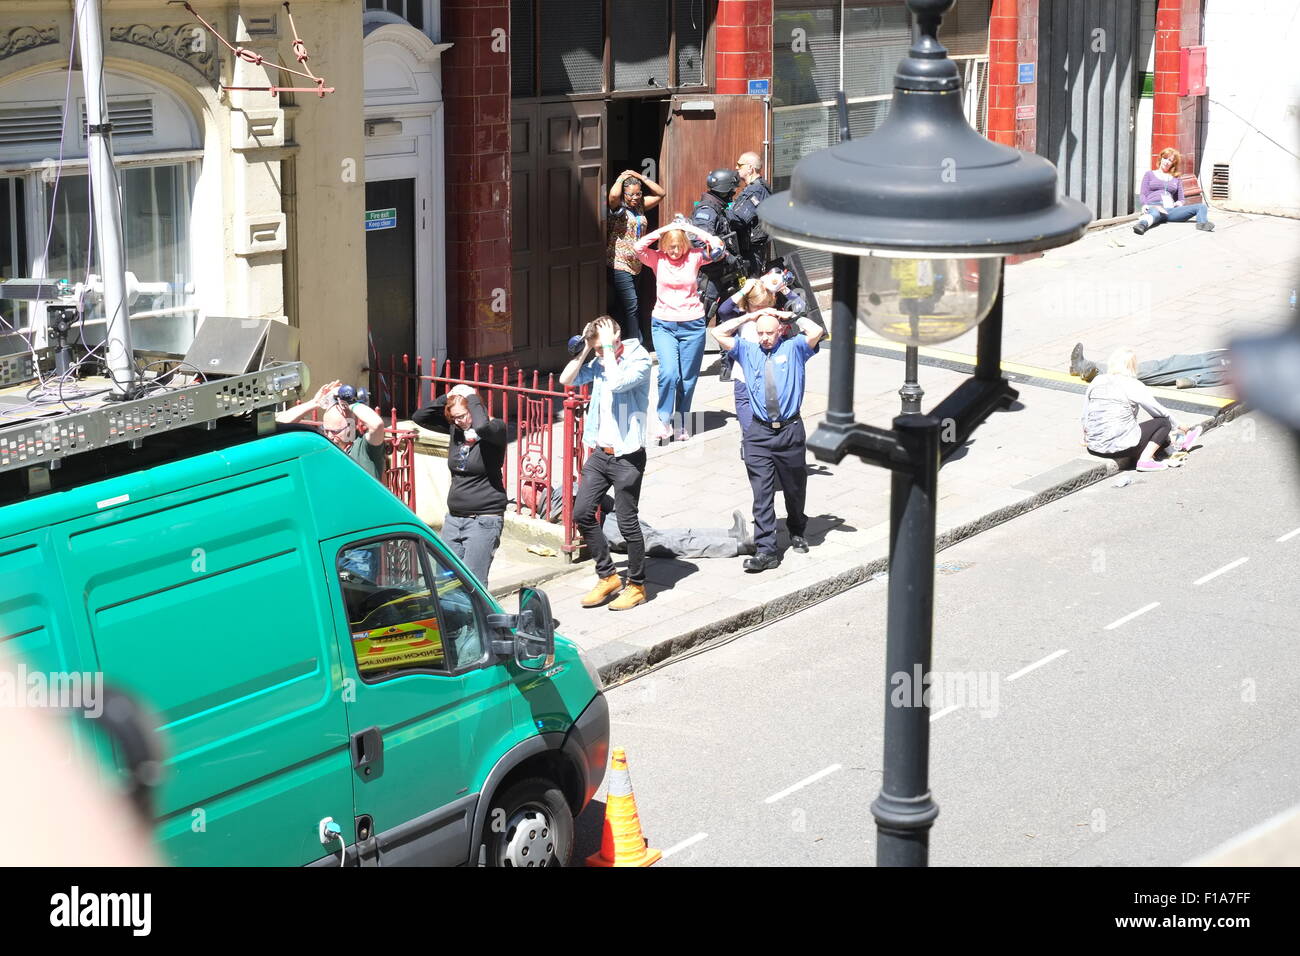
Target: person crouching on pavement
{"x": 775, "y": 449}
{"x": 614, "y": 433}
{"x": 1110, "y": 417}
{"x": 476, "y": 502}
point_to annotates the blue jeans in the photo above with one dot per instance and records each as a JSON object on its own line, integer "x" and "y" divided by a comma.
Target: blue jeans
{"x": 680, "y": 348}
{"x": 1160, "y": 214}
{"x": 623, "y": 302}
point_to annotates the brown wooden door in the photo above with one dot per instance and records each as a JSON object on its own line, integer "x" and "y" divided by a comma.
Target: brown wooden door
{"x": 558, "y": 225}
{"x": 698, "y": 142}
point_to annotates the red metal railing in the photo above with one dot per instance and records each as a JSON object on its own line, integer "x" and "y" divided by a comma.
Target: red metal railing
{"x": 531, "y": 403}
{"x": 399, "y": 455}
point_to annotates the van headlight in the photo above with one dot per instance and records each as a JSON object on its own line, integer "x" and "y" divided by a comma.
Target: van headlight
{"x": 590, "y": 668}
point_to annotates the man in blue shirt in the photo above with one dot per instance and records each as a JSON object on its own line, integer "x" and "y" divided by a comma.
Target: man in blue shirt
{"x": 774, "y": 442}
{"x": 614, "y": 433}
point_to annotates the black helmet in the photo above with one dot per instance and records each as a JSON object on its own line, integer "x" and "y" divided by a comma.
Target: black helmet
{"x": 724, "y": 182}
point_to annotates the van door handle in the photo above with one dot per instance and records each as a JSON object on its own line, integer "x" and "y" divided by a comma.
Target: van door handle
{"x": 367, "y": 750}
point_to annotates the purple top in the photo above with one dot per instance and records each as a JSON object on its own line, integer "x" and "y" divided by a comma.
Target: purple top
{"x": 1153, "y": 186}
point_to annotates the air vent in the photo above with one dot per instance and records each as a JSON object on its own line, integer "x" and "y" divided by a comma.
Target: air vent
{"x": 129, "y": 118}
{"x": 30, "y": 126}
{"x": 1219, "y": 187}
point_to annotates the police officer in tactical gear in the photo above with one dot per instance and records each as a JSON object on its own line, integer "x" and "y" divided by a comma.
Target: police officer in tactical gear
{"x": 711, "y": 216}
{"x": 751, "y": 237}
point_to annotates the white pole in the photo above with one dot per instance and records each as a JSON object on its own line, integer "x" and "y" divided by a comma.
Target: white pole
{"x": 107, "y": 209}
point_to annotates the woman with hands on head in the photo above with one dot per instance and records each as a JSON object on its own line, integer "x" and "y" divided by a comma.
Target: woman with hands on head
{"x": 625, "y": 223}
{"x": 678, "y": 320}
{"x": 476, "y": 501}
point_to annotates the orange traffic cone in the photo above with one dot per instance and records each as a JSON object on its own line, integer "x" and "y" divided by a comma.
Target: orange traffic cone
{"x": 623, "y": 843}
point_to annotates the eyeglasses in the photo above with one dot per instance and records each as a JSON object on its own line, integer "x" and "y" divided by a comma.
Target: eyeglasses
{"x": 336, "y": 431}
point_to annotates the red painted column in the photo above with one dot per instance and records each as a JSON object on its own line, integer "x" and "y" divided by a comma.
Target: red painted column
{"x": 1004, "y": 92}
{"x": 1188, "y": 106}
{"x": 744, "y": 44}
{"x": 476, "y": 94}
{"x": 1165, "y": 105}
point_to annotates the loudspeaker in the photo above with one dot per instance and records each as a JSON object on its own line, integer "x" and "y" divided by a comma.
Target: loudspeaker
{"x": 230, "y": 346}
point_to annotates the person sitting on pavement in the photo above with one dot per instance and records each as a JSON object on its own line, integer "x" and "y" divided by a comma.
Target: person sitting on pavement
{"x": 775, "y": 442}
{"x": 1192, "y": 370}
{"x": 769, "y": 291}
{"x": 614, "y": 432}
{"x": 353, "y": 427}
{"x": 476, "y": 501}
{"x": 1110, "y": 418}
{"x": 1161, "y": 194}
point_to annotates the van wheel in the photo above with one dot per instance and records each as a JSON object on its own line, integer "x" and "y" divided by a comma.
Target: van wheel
{"x": 529, "y": 825}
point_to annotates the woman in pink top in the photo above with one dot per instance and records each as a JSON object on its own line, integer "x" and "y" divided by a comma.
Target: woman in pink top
{"x": 677, "y": 322}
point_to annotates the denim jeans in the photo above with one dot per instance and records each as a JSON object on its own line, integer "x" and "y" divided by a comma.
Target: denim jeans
{"x": 1160, "y": 214}
{"x": 474, "y": 541}
{"x": 623, "y": 304}
{"x": 680, "y": 348}
{"x": 623, "y": 474}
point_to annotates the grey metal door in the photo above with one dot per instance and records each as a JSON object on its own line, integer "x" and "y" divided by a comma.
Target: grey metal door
{"x": 1087, "y": 87}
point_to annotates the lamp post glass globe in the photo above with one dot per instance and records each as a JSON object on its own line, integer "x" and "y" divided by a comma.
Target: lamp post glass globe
{"x": 925, "y": 301}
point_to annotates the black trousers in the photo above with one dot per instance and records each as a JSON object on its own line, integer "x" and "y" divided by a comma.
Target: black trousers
{"x": 623, "y": 473}
{"x": 775, "y": 458}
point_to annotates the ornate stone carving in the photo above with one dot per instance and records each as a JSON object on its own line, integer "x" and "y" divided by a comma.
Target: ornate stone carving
{"x": 188, "y": 42}
{"x": 21, "y": 39}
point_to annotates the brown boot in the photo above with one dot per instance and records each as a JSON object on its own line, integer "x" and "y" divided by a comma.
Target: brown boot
{"x": 603, "y": 589}
{"x": 632, "y": 595}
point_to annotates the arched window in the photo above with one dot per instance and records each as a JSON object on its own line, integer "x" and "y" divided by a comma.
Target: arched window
{"x": 45, "y": 220}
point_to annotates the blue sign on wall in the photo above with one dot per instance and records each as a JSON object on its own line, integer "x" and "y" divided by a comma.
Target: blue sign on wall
{"x": 760, "y": 87}
{"x": 1026, "y": 72}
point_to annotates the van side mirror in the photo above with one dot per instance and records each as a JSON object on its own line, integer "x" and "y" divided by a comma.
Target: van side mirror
{"x": 532, "y": 643}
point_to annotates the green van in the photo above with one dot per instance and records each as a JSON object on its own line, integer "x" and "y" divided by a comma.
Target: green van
{"x": 330, "y": 685}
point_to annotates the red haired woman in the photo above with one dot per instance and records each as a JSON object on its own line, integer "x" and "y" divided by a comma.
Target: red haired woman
{"x": 1162, "y": 197}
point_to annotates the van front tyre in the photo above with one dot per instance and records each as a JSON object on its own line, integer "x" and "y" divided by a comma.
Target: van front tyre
{"x": 529, "y": 824}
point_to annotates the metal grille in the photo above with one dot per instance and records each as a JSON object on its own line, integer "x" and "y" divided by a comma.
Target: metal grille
{"x": 1220, "y": 185}
{"x": 875, "y": 39}
{"x": 573, "y": 42}
{"x": 522, "y": 65}
{"x": 28, "y": 126}
{"x": 690, "y": 42}
{"x": 129, "y": 118}
{"x": 412, "y": 11}
{"x": 639, "y": 43}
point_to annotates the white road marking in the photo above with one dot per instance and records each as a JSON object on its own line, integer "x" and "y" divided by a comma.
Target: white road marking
{"x": 1128, "y": 617}
{"x": 1215, "y": 574}
{"x": 943, "y": 713}
{"x": 1037, "y": 664}
{"x": 689, "y": 841}
{"x": 803, "y": 783}
{"x": 1288, "y": 536}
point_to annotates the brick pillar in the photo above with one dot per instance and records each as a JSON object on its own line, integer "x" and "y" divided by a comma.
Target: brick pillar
{"x": 476, "y": 93}
{"x": 744, "y": 44}
{"x": 1004, "y": 92}
{"x": 1165, "y": 106}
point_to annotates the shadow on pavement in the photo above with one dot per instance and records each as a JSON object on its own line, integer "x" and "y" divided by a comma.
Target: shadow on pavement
{"x": 587, "y": 832}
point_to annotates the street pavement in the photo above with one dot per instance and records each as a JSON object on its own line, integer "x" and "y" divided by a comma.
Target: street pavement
{"x": 1118, "y": 686}
{"x": 1174, "y": 290}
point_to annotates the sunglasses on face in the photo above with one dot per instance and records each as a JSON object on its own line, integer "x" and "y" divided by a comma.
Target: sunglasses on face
{"x": 337, "y": 431}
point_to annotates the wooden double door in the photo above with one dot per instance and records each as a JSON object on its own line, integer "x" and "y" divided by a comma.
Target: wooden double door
{"x": 557, "y": 225}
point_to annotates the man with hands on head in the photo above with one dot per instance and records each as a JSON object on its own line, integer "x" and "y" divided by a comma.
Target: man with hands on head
{"x": 356, "y": 428}
{"x": 614, "y": 432}
{"x": 775, "y": 448}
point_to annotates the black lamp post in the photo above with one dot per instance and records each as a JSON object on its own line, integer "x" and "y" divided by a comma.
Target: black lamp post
{"x": 918, "y": 216}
